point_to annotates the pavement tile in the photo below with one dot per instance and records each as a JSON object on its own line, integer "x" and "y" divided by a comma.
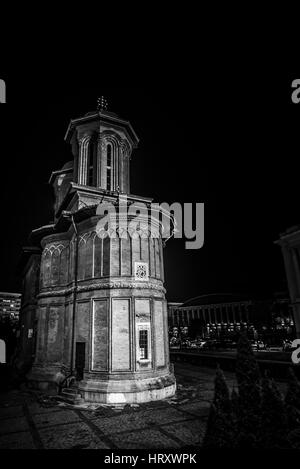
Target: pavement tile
{"x": 36, "y": 408}
{"x": 199, "y": 408}
{"x": 161, "y": 416}
{"x": 155, "y": 404}
{"x": 13, "y": 425}
{"x": 137, "y": 419}
{"x": 143, "y": 439}
{"x": 149, "y": 425}
{"x": 190, "y": 433}
{"x": 10, "y": 401}
{"x": 100, "y": 412}
{"x": 207, "y": 395}
{"x": 71, "y": 436}
{"x": 55, "y": 418}
{"x": 22, "y": 440}
{"x": 11, "y": 411}
{"x": 120, "y": 423}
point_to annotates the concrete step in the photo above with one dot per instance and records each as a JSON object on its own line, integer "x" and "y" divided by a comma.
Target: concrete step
{"x": 71, "y": 391}
{"x": 71, "y": 396}
{"x": 71, "y": 400}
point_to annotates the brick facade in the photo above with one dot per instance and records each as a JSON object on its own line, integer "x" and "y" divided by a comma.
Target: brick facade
{"x": 94, "y": 313}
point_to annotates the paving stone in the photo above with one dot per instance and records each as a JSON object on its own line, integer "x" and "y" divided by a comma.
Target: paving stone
{"x": 120, "y": 423}
{"x": 13, "y": 425}
{"x": 134, "y": 420}
{"x": 207, "y": 395}
{"x": 21, "y": 440}
{"x": 10, "y": 401}
{"x": 161, "y": 416}
{"x": 200, "y": 408}
{"x": 71, "y": 436}
{"x": 101, "y": 412}
{"x": 129, "y": 427}
{"x": 36, "y": 408}
{"x": 11, "y": 411}
{"x": 144, "y": 439}
{"x": 190, "y": 433}
{"x": 55, "y": 418}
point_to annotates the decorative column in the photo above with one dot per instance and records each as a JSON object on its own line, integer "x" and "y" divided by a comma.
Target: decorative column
{"x": 227, "y": 314}
{"x": 99, "y": 161}
{"x": 83, "y": 157}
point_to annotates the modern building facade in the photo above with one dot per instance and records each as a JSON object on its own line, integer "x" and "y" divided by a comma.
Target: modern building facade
{"x": 99, "y": 305}
{"x": 10, "y": 304}
{"x": 216, "y": 315}
{"x": 289, "y": 242}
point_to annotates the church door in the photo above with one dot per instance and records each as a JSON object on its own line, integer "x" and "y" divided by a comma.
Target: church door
{"x": 80, "y": 359}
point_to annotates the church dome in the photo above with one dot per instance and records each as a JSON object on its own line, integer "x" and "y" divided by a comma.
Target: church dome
{"x": 68, "y": 165}
{"x": 215, "y": 298}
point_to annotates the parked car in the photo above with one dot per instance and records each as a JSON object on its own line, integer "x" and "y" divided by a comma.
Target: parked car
{"x": 261, "y": 345}
{"x": 287, "y": 345}
{"x": 193, "y": 344}
{"x": 232, "y": 344}
{"x": 258, "y": 345}
{"x": 229, "y": 344}
{"x": 201, "y": 344}
{"x": 186, "y": 343}
{"x": 207, "y": 344}
{"x": 274, "y": 348}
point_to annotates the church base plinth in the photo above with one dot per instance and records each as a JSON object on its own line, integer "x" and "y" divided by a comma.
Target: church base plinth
{"x": 128, "y": 391}
{"x": 43, "y": 377}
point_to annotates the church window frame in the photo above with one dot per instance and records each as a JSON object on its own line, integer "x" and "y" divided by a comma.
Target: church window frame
{"x": 109, "y": 167}
{"x": 92, "y": 162}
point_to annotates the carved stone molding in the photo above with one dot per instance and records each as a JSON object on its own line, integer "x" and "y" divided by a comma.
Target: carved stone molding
{"x": 104, "y": 286}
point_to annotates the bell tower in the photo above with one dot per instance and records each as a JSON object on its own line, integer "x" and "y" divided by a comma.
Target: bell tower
{"x": 101, "y": 303}
{"x": 102, "y": 145}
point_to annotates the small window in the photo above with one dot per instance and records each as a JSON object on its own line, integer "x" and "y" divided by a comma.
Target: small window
{"x": 109, "y": 168}
{"x": 143, "y": 344}
{"x": 92, "y": 162}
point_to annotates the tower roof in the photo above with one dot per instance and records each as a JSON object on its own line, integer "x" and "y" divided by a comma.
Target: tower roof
{"x": 103, "y": 117}
{"x": 67, "y": 168}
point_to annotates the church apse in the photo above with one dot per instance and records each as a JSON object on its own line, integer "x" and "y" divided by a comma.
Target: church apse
{"x": 101, "y": 308}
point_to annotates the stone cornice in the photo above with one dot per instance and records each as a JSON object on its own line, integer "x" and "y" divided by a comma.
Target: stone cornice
{"x": 104, "y": 119}
{"x": 104, "y": 286}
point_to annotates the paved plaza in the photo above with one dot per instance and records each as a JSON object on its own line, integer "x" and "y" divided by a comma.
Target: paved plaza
{"x": 35, "y": 420}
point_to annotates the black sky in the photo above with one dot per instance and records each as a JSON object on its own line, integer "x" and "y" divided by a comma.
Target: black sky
{"x": 230, "y": 142}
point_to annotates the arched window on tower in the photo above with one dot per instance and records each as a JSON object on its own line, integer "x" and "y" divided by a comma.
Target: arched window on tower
{"x": 92, "y": 162}
{"x": 109, "y": 168}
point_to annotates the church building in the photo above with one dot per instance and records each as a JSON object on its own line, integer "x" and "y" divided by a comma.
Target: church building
{"x": 95, "y": 300}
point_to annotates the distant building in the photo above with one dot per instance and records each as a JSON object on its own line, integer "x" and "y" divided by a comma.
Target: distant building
{"x": 215, "y": 315}
{"x": 10, "y": 304}
{"x": 172, "y": 309}
{"x": 289, "y": 242}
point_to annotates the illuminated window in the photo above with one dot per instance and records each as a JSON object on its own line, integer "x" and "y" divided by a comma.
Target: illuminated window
{"x": 109, "y": 168}
{"x": 92, "y": 162}
{"x": 143, "y": 344}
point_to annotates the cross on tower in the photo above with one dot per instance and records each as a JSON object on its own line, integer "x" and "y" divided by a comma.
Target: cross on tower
{"x": 102, "y": 104}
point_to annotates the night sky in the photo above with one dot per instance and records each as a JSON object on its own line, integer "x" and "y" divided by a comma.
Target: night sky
{"x": 230, "y": 142}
